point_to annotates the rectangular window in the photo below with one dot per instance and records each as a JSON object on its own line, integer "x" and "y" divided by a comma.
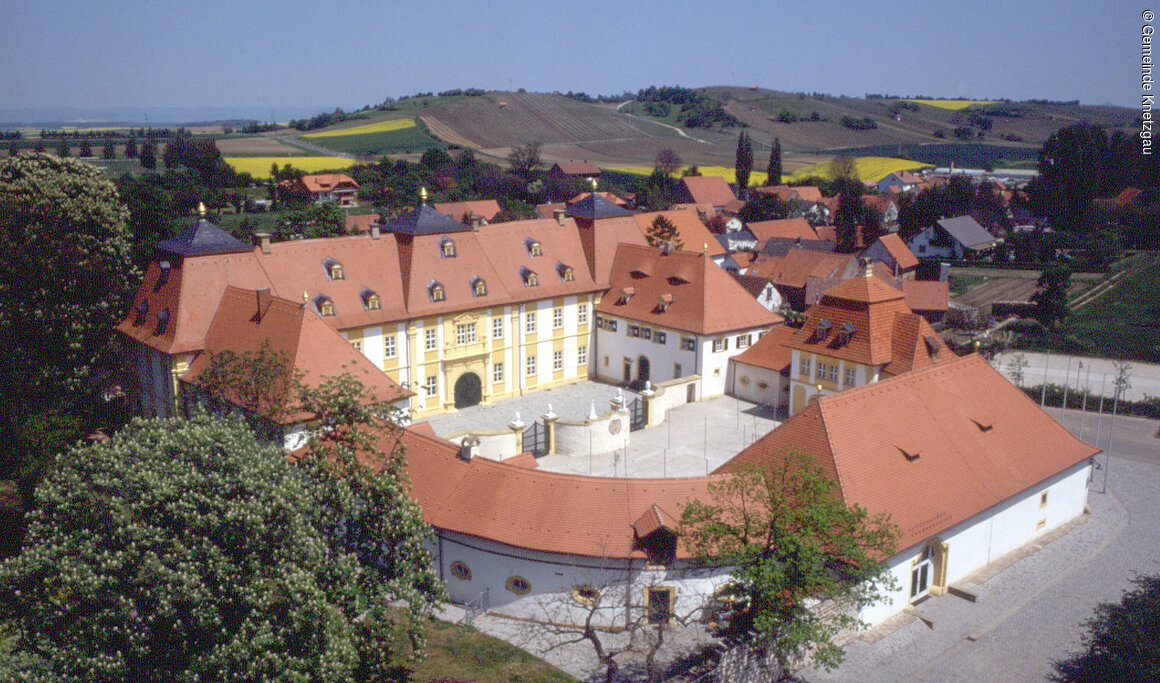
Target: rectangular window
{"x": 833, "y": 376}
{"x": 389, "y": 349}
{"x": 465, "y": 333}
{"x": 646, "y": 332}
{"x": 582, "y": 314}
{"x": 530, "y": 322}
{"x": 688, "y": 344}
{"x": 357, "y": 345}
{"x": 849, "y": 377}
{"x": 1043, "y": 499}
{"x": 497, "y": 327}
{"x": 531, "y": 366}
{"x": 610, "y": 325}
{"x": 497, "y": 372}
{"x": 821, "y": 370}
{"x": 720, "y": 345}
{"x": 557, "y": 360}
{"x": 432, "y": 385}
{"x": 557, "y": 318}
{"x": 634, "y": 330}
{"x": 659, "y": 337}
{"x": 582, "y": 356}
{"x": 742, "y": 341}
{"x": 429, "y": 339}
{"x": 804, "y": 368}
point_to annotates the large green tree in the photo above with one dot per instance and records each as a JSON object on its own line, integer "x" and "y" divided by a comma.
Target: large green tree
{"x": 663, "y": 230}
{"x": 744, "y": 160}
{"x": 774, "y": 168}
{"x": 185, "y": 550}
{"x": 792, "y": 542}
{"x": 525, "y": 161}
{"x": 65, "y": 280}
{"x": 1051, "y": 298}
{"x": 1121, "y": 639}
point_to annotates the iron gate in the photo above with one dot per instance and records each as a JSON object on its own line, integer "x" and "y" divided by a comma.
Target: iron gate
{"x": 638, "y": 414}
{"x": 536, "y": 440}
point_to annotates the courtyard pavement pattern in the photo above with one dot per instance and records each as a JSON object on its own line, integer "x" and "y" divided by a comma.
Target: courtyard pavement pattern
{"x": 694, "y": 439}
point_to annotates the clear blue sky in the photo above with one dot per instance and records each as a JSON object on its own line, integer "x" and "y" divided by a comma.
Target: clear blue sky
{"x": 158, "y": 53}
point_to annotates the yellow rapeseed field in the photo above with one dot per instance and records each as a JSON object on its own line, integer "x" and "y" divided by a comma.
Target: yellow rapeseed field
{"x": 755, "y": 177}
{"x": 379, "y": 127}
{"x": 259, "y": 167}
{"x": 953, "y": 105}
{"x": 869, "y": 168}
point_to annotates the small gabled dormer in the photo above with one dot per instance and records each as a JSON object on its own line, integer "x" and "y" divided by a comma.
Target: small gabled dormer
{"x": 324, "y": 305}
{"x": 141, "y": 311}
{"x": 162, "y": 321}
{"x": 333, "y": 269}
{"x": 664, "y": 301}
{"x": 533, "y": 246}
{"x": 447, "y": 248}
{"x": 529, "y": 277}
{"x": 566, "y": 273}
{"x": 436, "y": 292}
{"x": 478, "y": 286}
{"x": 626, "y": 295}
{"x": 823, "y": 329}
{"x": 163, "y": 270}
{"x": 845, "y": 333}
{"x": 371, "y": 300}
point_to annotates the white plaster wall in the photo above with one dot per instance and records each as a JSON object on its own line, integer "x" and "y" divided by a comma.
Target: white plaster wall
{"x": 661, "y": 357}
{"x": 553, "y": 576}
{"x": 989, "y": 535}
{"x": 774, "y": 394}
{"x": 579, "y": 438}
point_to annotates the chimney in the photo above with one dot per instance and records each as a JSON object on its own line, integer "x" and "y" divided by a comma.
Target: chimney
{"x": 264, "y": 298}
{"x": 469, "y": 447}
{"x": 867, "y": 267}
{"x": 667, "y": 247}
{"x": 559, "y": 214}
{"x": 475, "y": 222}
{"x": 262, "y": 239}
{"x": 375, "y": 231}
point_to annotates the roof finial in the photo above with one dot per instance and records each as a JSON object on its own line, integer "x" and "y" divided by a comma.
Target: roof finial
{"x": 867, "y": 266}
{"x": 592, "y": 182}
{"x": 201, "y": 209}
{"x": 422, "y": 196}
{"x": 305, "y": 297}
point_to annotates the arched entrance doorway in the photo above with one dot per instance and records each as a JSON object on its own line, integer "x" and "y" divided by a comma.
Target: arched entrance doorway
{"x": 467, "y": 390}
{"x": 641, "y": 370}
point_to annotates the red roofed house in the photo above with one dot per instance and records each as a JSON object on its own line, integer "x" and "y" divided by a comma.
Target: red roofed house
{"x": 331, "y": 187}
{"x": 928, "y": 298}
{"x": 966, "y": 465}
{"x": 483, "y": 210}
{"x": 789, "y": 228}
{"x": 708, "y": 190}
{"x": 691, "y": 232}
{"x": 891, "y": 251}
{"x": 761, "y": 372}
{"x": 671, "y": 314}
{"x": 860, "y": 332}
{"x": 574, "y": 169}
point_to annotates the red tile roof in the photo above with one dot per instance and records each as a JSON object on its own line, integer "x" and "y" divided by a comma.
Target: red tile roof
{"x": 691, "y": 231}
{"x": 248, "y": 319}
{"x": 926, "y": 295}
{"x": 789, "y": 228}
{"x": 582, "y": 168}
{"x": 805, "y": 193}
{"x": 705, "y": 299}
{"x": 711, "y": 190}
{"x": 1128, "y": 195}
{"x": 326, "y": 182}
{"x": 869, "y": 437}
{"x": 607, "y": 195}
{"x": 798, "y": 265}
{"x": 770, "y": 351}
{"x": 878, "y": 314}
{"x": 488, "y": 209}
{"x": 898, "y": 250}
{"x": 361, "y": 223}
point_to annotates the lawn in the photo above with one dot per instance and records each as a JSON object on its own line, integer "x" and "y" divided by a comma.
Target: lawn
{"x": 1123, "y": 323}
{"x": 377, "y": 127}
{"x": 259, "y": 167}
{"x": 456, "y": 652}
{"x": 868, "y": 168}
{"x": 953, "y": 105}
{"x": 961, "y": 284}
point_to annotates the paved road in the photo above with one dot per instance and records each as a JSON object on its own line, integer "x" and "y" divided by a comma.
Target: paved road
{"x": 1030, "y": 614}
{"x": 1144, "y": 377}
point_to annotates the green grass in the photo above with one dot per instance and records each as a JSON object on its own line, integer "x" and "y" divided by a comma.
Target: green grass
{"x": 463, "y": 653}
{"x": 961, "y": 284}
{"x": 1123, "y": 323}
{"x": 962, "y": 154}
{"x": 413, "y": 139}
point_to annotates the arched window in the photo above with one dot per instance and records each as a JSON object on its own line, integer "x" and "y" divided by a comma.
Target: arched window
{"x": 447, "y": 247}
{"x": 436, "y": 292}
{"x": 533, "y": 247}
{"x": 478, "y": 287}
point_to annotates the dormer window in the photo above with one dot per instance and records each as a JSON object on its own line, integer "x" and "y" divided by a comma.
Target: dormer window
{"x": 324, "y": 305}
{"x": 162, "y": 321}
{"x": 371, "y": 301}
{"x": 533, "y": 247}
{"x": 663, "y": 302}
{"x": 333, "y": 269}
{"x": 823, "y": 329}
{"x": 162, "y": 274}
{"x": 447, "y": 247}
{"x": 142, "y": 309}
{"x": 566, "y": 273}
{"x": 626, "y": 295}
{"x": 529, "y": 277}
{"x": 932, "y": 346}
{"x": 844, "y": 333}
{"x": 436, "y": 292}
{"x": 478, "y": 287}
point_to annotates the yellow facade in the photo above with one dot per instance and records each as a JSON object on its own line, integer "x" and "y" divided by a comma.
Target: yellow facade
{"x": 805, "y": 385}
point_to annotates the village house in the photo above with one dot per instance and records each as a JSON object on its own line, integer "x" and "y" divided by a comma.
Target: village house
{"x": 953, "y": 238}
{"x": 709, "y": 191}
{"x": 902, "y": 181}
{"x": 331, "y": 187}
{"x": 761, "y": 372}
{"x": 481, "y": 211}
{"x": 580, "y": 170}
{"x": 691, "y": 232}
{"x": 892, "y": 252}
{"x": 670, "y": 314}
